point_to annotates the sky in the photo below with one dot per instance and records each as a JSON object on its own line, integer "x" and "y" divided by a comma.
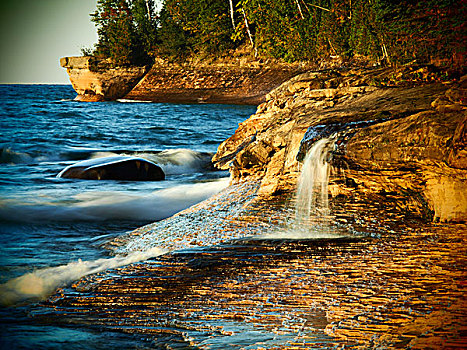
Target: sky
{"x": 34, "y": 34}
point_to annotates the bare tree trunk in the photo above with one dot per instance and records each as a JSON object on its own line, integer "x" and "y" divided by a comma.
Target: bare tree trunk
{"x": 149, "y": 11}
{"x": 385, "y": 53}
{"x": 232, "y": 14}
{"x": 299, "y": 9}
{"x": 249, "y": 33}
{"x": 321, "y": 8}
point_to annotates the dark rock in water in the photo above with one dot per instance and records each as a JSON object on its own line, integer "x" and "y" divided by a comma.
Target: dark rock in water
{"x": 114, "y": 168}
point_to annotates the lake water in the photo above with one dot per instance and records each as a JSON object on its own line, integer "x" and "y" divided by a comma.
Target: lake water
{"x": 364, "y": 275}
{"x": 47, "y": 221}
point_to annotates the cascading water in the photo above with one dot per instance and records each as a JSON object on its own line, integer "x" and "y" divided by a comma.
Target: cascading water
{"x": 312, "y": 194}
{"x": 312, "y": 214}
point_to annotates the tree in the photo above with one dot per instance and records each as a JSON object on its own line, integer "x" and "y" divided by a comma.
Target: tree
{"x": 396, "y": 31}
{"x": 207, "y": 24}
{"x": 126, "y": 30}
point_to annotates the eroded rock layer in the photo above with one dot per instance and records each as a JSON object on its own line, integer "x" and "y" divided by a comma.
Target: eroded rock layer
{"x": 399, "y": 132}
{"x": 211, "y": 83}
{"x": 98, "y": 80}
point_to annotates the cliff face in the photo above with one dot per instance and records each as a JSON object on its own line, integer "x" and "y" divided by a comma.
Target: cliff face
{"x": 211, "y": 83}
{"x": 396, "y": 139}
{"x": 97, "y": 80}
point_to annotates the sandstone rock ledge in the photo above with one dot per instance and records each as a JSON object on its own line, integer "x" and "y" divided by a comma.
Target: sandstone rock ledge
{"x": 98, "y": 80}
{"x": 212, "y": 82}
{"x": 400, "y": 135}
{"x": 200, "y": 82}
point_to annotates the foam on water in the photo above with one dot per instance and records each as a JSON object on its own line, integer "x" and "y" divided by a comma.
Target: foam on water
{"x": 124, "y": 100}
{"x": 318, "y": 231}
{"x": 179, "y": 161}
{"x": 96, "y": 205}
{"x": 41, "y": 283}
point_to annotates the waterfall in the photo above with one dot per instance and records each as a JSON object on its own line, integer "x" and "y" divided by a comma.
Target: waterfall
{"x": 312, "y": 204}
{"x": 312, "y": 214}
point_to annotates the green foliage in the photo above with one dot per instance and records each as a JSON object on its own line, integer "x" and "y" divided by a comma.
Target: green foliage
{"x": 392, "y": 31}
{"x": 173, "y": 39}
{"x": 307, "y": 30}
{"x": 196, "y": 26}
{"x": 126, "y": 30}
{"x": 424, "y": 30}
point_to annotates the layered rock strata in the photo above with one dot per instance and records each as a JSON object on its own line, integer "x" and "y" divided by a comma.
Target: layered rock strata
{"x": 247, "y": 83}
{"x": 400, "y": 134}
{"x": 211, "y": 83}
{"x": 99, "y": 80}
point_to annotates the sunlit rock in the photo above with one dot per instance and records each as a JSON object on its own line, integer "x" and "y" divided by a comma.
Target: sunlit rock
{"x": 97, "y": 80}
{"x": 401, "y": 137}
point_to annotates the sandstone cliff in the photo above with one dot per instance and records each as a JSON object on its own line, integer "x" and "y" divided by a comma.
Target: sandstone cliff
{"x": 201, "y": 82}
{"x": 98, "y": 80}
{"x": 401, "y": 135}
{"x": 212, "y": 82}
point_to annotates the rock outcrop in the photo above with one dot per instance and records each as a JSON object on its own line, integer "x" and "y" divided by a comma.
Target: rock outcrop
{"x": 400, "y": 134}
{"x": 114, "y": 168}
{"x": 99, "y": 80}
{"x": 212, "y": 83}
{"x": 230, "y": 83}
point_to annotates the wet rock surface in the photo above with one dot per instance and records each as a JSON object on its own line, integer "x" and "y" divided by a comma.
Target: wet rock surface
{"x": 389, "y": 283}
{"x": 114, "y": 168}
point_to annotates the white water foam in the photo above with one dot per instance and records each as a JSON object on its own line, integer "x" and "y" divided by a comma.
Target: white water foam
{"x": 179, "y": 161}
{"x": 41, "y": 283}
{"x": 124, "y": 100}
{"x": 95, "y": 206}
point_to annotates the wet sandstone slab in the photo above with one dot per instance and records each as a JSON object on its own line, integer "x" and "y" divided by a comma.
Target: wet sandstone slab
{"x": 394, "y": 282}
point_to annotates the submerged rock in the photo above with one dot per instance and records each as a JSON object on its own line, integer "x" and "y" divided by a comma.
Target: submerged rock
{"x": 403, "y": 137}
{"x": 114, "y": 168}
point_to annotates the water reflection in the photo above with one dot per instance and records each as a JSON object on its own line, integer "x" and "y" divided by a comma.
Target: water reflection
{"x": 403, "y": 289}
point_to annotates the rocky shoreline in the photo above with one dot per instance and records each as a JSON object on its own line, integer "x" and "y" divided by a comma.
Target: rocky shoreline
{"x": 396, "y": 279}
{"x": 397, "y": 136}
{"x": 201, "y": 82}
{"x": 400, "y": 131}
